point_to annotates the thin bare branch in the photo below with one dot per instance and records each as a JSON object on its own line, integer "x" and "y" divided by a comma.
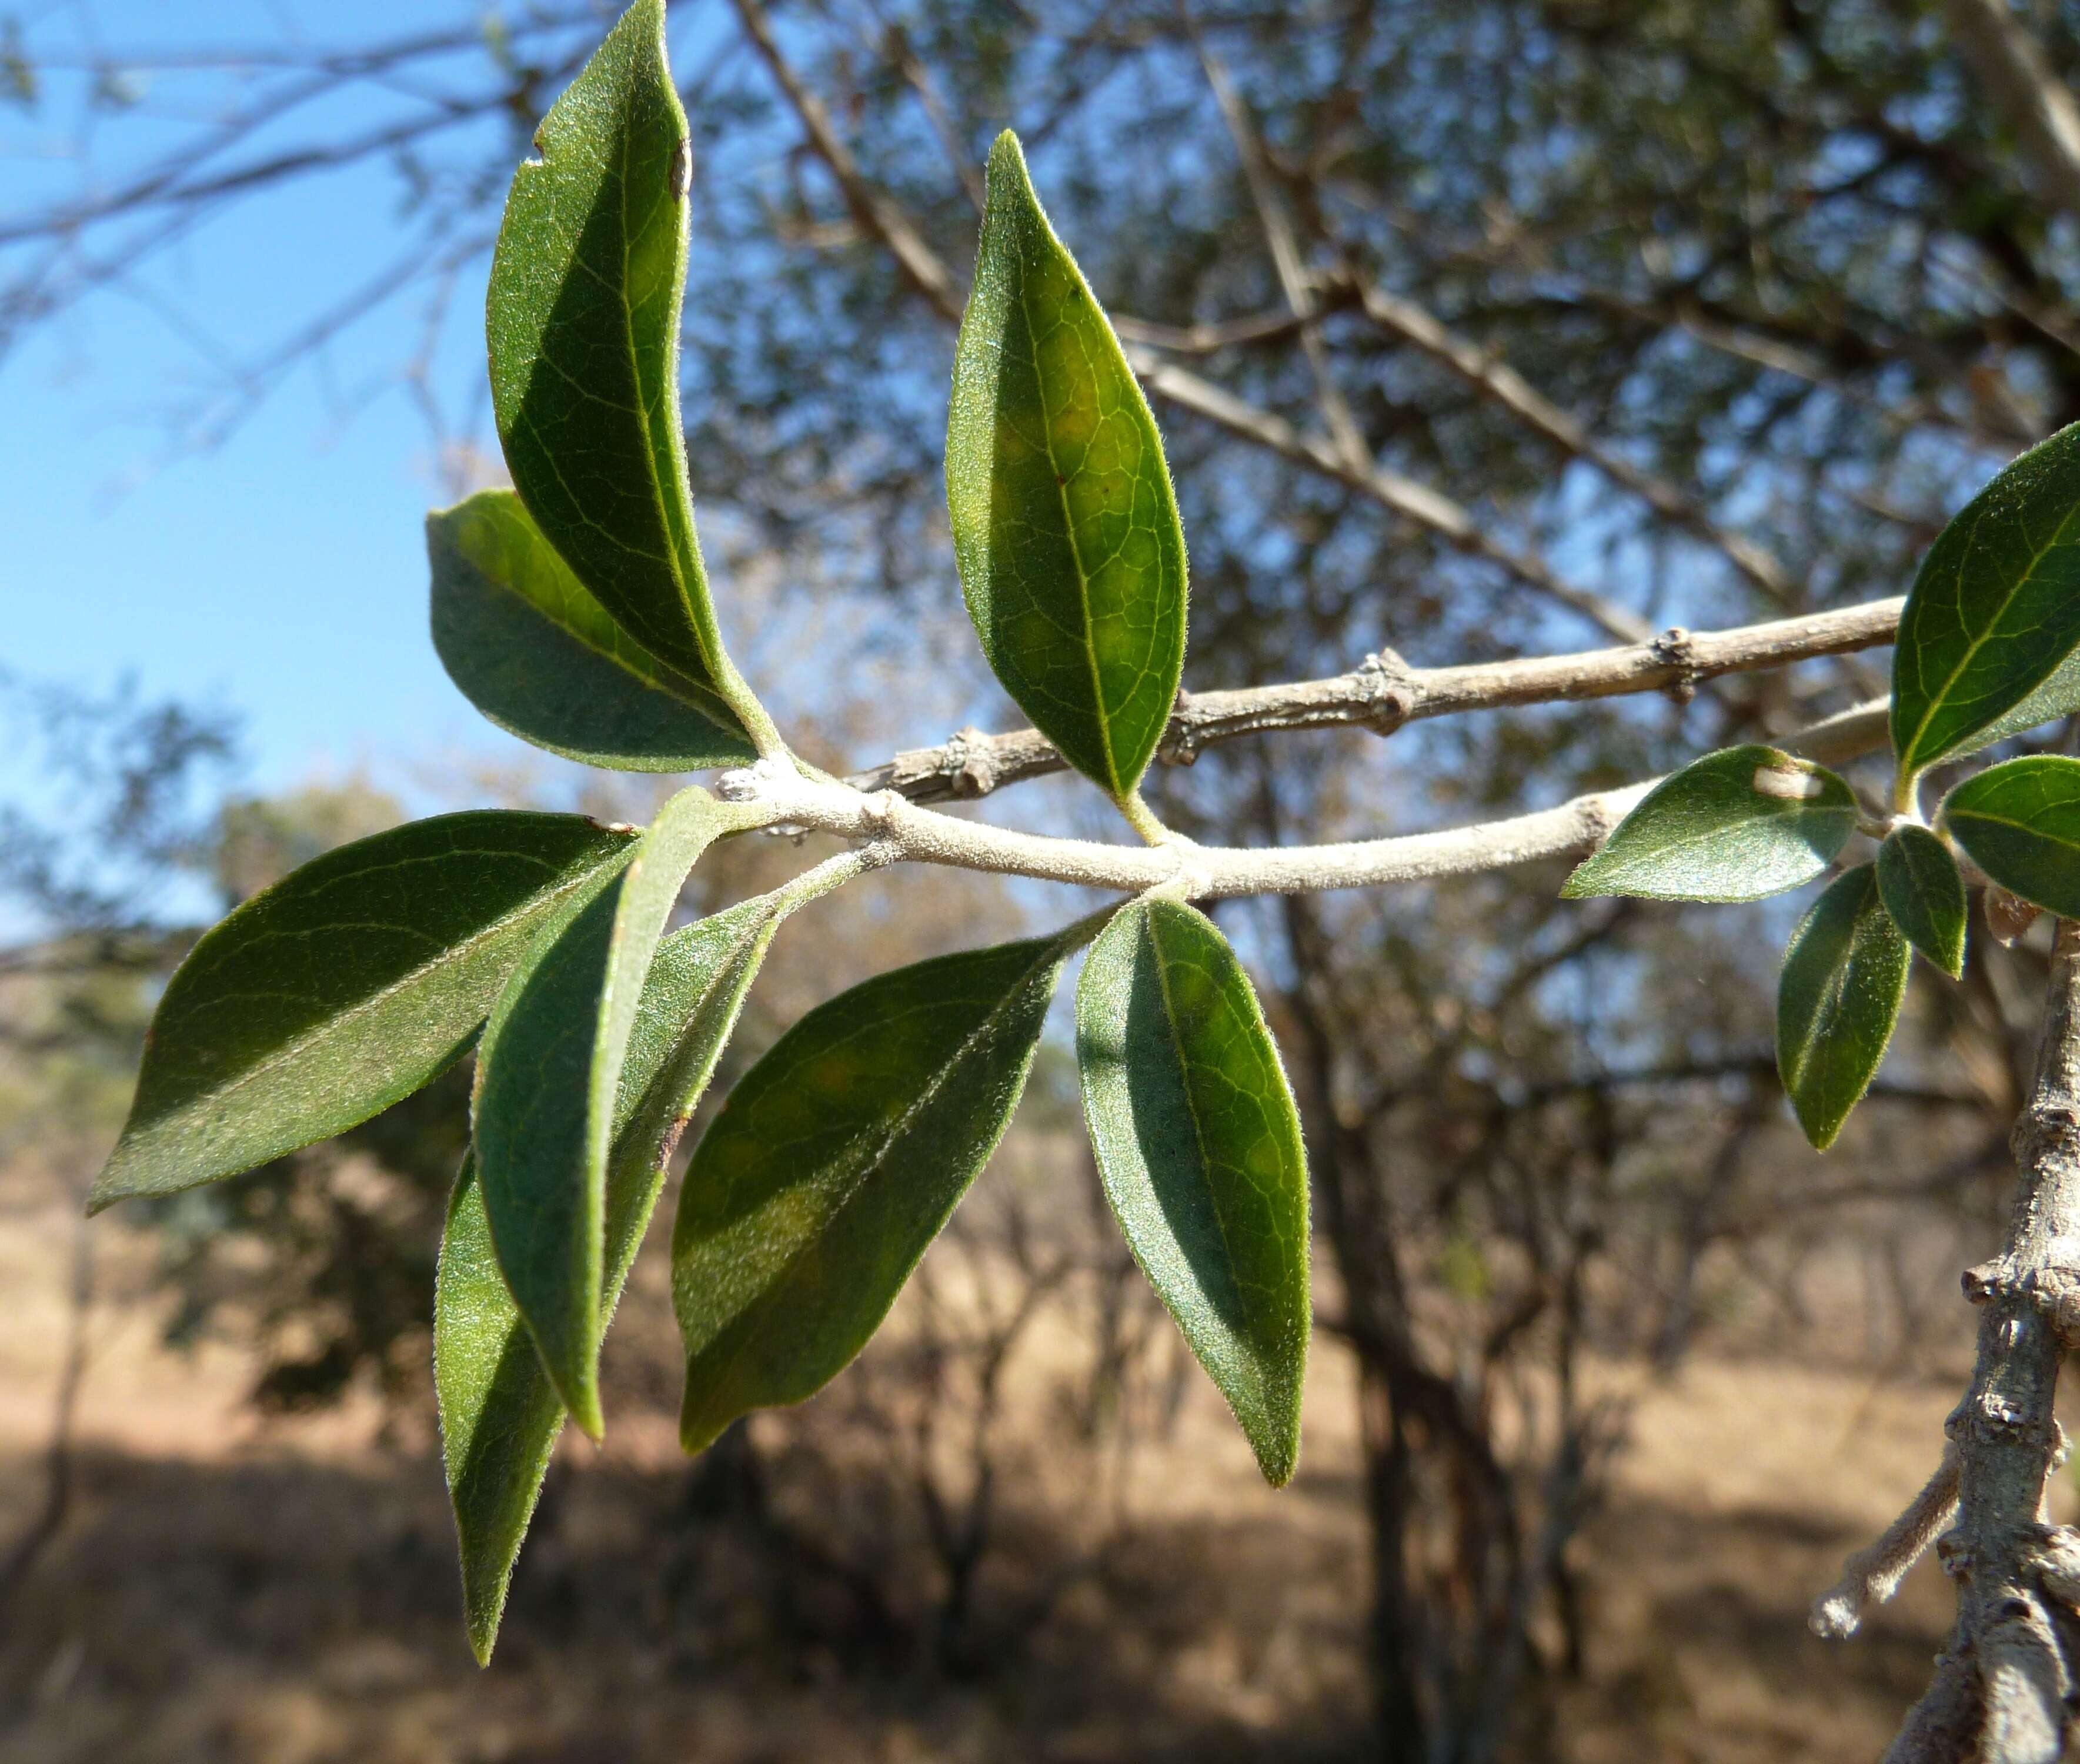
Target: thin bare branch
{"x": 1292, "y": 277}
{"x": 2011, "y": 67}
{"x": 1208, "y": 339}
{"x": 1384, "y": 693}
{"x": 1495, "y": 379}
{"x": 1427, "y": 508}
{"x": 876, "y": 212}
{"x": 881, "y": 217}
{"x": 1872, "y": 1575}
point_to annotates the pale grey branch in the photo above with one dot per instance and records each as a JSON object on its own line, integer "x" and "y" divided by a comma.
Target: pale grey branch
{"x": 1384, "y": 693}
{"x": 917, "y": 835}
{"x": 2007, "y": 1671}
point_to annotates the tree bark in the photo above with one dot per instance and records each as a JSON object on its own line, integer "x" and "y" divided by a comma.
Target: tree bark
{"x": 2004, "y": 1687}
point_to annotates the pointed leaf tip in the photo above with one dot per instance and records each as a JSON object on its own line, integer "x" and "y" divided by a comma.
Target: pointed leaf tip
{"x": 835, "y": 1163}
{"x": 1064, "y": 520}
{"x": 1739, "y": 824}
{"x": 1924, "y": 891}
{"x": 1838, "y": 1000}
{"x": 499, "y": 1414}
{"x": 342, "y": 989}
{"x": 1198, "y": 1146}
{"x": 582, "y": 321}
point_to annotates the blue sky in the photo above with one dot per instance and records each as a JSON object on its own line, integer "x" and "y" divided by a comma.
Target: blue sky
{"x": 280, "y": 574}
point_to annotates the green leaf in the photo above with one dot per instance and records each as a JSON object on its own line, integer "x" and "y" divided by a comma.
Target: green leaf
{"x": 547, "y": 1074}
{"x": 1736, "y": 825}
{"x": 344, "y": 988}
{"x": 1995, "y": 610}
{"x": 2020, "y": 822}
{"x": 500, "y": 1415}
{"x": 1198, "y": 1145}
{"x": 2057, "y": 697}
{"x": 1837, "y": 1000}
{"x": 583, "y": 324}
{"x": 1065, "y": 525}
{"x": 540, "y": 655}
{"x": 833, "y": 1165}
{"x": 1923, "y": 891}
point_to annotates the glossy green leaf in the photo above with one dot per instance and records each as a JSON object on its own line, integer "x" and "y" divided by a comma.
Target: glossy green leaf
{"x": 2020, "y": 822}
{"x": 538, "y": 654}
{"x": 548, "y": 1075}
{"x": 1837, "y": 1000}
{"x": 345, "y": 987}
{"x": 1198, "y": 1145}
{"x": 833, "y": 1165}
{"x": 583, "y": 324}
{"x": 500, "y": 1415}
{"x": 1065, "y": 525}
{"x": 1995, "y": 610}
{"x": 1924, "y": 891}
{"x": 1736, "y": 825}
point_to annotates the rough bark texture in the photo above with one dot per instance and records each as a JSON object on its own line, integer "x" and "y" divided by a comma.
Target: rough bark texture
{"x": 2004, "y": 1688}
{"x": 1385, "y": 693}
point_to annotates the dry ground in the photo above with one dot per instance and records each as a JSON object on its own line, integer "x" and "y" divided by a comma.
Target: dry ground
{"x": 241, "y": 1593}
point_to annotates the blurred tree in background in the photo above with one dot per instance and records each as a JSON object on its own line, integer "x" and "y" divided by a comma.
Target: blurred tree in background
{"x": 1478, "y": 329}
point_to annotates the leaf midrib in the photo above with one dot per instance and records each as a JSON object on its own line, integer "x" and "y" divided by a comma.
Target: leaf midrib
{"x": 1973, "y": 645}
{"x": 1683, "y": 843}
{"x": 856, "y": 1182}
{"x": 1953, "y": 815}
{"x": 1191, "y": 1107}
{"x": 673, "y": 536}
{"x": 326, "y": 1029}
{"x": 667, "y": 680}
{"x": 1069, "y": 527}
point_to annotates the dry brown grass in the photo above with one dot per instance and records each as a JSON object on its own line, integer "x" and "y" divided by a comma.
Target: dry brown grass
{"x": 284, "y": 1594}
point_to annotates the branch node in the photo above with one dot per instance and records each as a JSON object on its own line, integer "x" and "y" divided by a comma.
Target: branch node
{"x": 1389, "y": 688}
{"x": 969, "y": 765}
{"x": 1986, "y": 1282}
{"x": 2048, "y": 1129}
{"x": 2056, "y": 1562}
{"x": 1674, "y": 648}
{"x": 2008, "y": 915}
{"x": 1179, "y": 745}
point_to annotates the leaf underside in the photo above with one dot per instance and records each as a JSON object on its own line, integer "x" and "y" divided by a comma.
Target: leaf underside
{"x": 342, "y": 989}
{"x": 1732, "y": 825}
{"x": 499, "y": 1414}
{"x": 583, "y": 324}
{"x": 1064, "y": 521}
{"x": 835, "y": 1163}
{"x": 549, "y": 1076}
{"x": 1198, "y": 1145}
{"x": 534, "y": 650}
{"x": 1995, "y": 611}
{"x": 1837, "y": 1001}
{"x": 2020, "y": 822}
{"x": 1924, "y": 891}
